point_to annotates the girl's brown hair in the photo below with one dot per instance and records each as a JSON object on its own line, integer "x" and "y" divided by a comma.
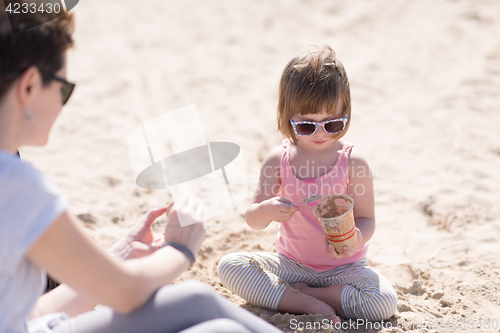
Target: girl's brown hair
{"x": 310, "y": 83}
{"x": 42, "y": 46}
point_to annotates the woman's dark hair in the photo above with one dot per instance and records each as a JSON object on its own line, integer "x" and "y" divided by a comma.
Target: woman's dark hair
{"x": 42, "y": 46}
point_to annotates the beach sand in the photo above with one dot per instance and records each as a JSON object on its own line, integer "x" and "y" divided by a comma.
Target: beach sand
{"x": 425, "y": 85}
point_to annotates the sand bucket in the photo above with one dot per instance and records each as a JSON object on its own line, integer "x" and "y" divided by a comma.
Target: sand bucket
{"x": 336, "y": 217}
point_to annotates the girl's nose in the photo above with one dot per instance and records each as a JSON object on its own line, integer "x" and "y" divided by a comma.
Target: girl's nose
{"x": 320, "y": 131}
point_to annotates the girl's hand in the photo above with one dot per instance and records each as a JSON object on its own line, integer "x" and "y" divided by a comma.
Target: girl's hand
{"x": 347, "y": 251}
{"x": 279, "y": 209}
{"x": 193, "y": 233}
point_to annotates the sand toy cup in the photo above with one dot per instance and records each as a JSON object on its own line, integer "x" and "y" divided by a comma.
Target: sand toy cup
{"x": 336, "y": 217}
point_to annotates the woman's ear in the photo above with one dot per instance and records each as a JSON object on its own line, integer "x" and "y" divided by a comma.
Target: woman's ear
{"x": 28, "y": 82}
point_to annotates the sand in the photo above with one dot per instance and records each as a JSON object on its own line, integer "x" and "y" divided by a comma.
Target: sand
{"x": 425, "y": 82}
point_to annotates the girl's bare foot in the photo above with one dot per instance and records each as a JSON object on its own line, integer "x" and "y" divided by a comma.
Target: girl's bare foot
{"x": 329, "y": 295}
{"x": 310, "y": 304}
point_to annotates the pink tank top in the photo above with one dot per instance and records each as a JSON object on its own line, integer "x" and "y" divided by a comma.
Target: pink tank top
{"x": 302, "y": 238}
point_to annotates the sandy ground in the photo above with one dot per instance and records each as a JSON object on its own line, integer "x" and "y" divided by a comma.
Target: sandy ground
{"x": 425, "y": 82}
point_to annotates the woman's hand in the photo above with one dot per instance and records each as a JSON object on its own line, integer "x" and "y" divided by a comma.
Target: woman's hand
{"x": 347, "y": 251}
{"x": 193, "y": 232}
{"x": 140, "y": 240}
{"x": 279, "y": 209}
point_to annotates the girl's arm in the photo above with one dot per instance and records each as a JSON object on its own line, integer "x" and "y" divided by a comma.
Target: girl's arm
{"x": 67, "y": 252}
{"x": 266, "y": 206}
{"x": 361, "y": 190}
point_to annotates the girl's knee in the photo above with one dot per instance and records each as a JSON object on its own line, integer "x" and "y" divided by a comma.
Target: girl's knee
{"x": 384, "y": 305}
{"x": 374, "y": 305}
{"x": 224, "y": 263}
{"x": 392, "y": 303}
{"x": 232, "y": 259}
{"x": 230, "y": 264}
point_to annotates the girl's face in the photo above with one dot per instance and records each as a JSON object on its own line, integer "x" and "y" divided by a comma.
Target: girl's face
{"x": 320, "y": 139}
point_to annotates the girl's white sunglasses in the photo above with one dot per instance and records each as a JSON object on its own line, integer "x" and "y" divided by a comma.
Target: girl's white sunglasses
{"x": 306, "y": 128}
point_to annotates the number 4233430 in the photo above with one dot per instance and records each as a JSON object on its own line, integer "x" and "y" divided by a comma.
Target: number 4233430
{"x": 24, "y": 8}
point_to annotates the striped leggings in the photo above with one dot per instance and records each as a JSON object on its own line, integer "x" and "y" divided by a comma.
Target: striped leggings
{"x": 262, "y": 277}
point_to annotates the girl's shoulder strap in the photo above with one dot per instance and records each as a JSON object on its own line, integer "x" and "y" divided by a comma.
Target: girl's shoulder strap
{"x": 347, "y": 148}
{"x": 286, "y": 150}
{"x": 285, "y": 158}
{"x": 343, "y": 160}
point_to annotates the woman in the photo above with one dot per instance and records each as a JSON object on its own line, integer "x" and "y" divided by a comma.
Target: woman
{"x": 38, "y": 234}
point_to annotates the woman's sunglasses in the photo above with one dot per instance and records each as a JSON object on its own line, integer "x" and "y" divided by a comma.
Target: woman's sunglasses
{"x": 66, "y": 89}
{"x": 306, "y": 128}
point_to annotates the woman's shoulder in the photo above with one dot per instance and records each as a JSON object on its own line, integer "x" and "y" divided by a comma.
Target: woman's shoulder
{"x": 25, "y": 186}
{"x": 20, "y": 178}
{"x": 14, "y": 169}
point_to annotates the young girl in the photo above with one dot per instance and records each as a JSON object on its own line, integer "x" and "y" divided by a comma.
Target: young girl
{"x": 307, "y": 275}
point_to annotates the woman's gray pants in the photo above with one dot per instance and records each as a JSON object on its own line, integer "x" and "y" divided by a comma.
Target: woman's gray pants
{"x": 188, "y": 307}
